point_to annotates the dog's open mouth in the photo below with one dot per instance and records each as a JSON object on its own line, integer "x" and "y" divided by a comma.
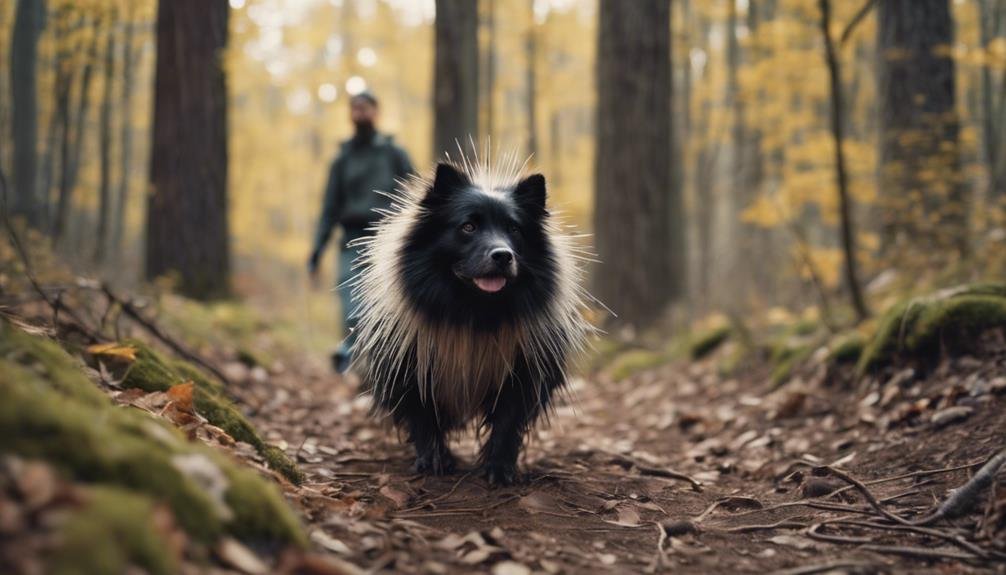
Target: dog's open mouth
{"x": 491, "y": 284}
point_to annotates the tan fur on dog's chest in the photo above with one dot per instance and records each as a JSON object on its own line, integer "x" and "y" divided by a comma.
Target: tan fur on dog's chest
{"x": 461, "y": 368}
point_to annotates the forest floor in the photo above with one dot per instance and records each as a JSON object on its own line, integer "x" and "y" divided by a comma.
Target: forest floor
{"x": 671, "y": 469}
{"x": 645, "y": 466}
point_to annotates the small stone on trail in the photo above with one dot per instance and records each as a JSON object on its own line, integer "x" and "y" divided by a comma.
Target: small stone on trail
{"x": 951, "y": 415}
{"x": 819, "y": 487}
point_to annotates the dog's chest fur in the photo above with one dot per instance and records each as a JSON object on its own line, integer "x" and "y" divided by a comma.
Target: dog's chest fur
{"x": 461, "y": 369}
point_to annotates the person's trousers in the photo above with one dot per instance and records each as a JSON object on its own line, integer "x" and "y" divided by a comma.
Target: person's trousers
{"x": 347, "y": 257}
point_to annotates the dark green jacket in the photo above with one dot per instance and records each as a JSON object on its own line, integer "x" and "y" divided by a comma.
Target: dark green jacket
{"x": 361, "y": 170}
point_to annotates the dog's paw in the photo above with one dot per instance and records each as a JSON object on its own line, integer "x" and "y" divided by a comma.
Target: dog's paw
{"x": 500, "y": 474}
{"x": 436, "y": 462}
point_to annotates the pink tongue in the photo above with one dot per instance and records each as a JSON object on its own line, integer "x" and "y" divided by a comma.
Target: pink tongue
{"x": 490, "y": 284}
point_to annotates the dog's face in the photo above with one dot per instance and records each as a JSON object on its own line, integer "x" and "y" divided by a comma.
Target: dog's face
{"x": 478, "y": 253}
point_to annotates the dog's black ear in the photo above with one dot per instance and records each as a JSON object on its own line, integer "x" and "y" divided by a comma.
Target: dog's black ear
{"x": 530, "y": 192}
{"x": 446, "y": 181}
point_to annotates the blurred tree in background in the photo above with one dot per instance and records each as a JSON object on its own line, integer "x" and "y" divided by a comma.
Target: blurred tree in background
{"x": 187, "y": 209}
{"x": 638, "y": 214}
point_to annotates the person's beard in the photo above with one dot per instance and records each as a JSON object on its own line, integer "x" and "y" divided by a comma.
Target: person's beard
{"x": 365, "y": 130}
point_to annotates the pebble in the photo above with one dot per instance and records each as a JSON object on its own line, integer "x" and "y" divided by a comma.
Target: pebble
{"x": 951, "y": 415}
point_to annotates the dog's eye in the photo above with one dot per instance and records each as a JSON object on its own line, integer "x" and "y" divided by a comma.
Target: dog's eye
{"x": 468, "y": 228}
{"x": 512, "y": 228}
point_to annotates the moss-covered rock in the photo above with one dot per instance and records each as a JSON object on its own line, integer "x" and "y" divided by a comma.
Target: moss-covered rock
{"x": 708, "y": 341}
{"x": 846, "y": 349}
{"x": 786, "y": 359}
{"x": 918, "y": 328}
{"x": 153, "y": 372}
{"x": 53, "y": 413}
{"x": 115, "y": 529}
{"x": 635, "y": 361}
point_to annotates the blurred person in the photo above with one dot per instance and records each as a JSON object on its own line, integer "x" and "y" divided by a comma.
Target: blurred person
{"x": 367, "y": 164}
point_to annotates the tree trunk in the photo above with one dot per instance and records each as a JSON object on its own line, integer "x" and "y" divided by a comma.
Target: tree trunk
{"x": 841, "y": 175}
{"x": 126, "y": 132}
{"x": 187, "y": 224}
{"x": 637, "y": 216}
{"x": 73, "y": 141}
{"x": 455, "y": 75}
{"x": 105, "y": 146}
{"x": 531, "y": 53}
{"x": 28, "y": 24}
{"x": 992, "y": 104}
{"x": 922, "y": 193}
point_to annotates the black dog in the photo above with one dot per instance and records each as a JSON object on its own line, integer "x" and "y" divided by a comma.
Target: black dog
{"x": 470, "y": 305}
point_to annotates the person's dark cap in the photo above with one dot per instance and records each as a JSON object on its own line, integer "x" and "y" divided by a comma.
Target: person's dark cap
{"x": 366, "y": 95}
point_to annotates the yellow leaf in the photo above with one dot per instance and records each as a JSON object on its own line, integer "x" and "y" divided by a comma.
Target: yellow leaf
{"x": 114, "y": 350}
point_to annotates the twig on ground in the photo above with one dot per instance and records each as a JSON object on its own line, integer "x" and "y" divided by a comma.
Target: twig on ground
{"x": 920, "y": 552}
{"x": 783, "y": 524}
{"x": 964, "y": 498}
{"x": 628, "y": 462}
{"x": 814, "y": 533}
{"x": 870, "y": 498}
{"x": 954, "y": 539}
{"x": 438, "y": 498}
{"x": 827, "y": 568}
{"x": 658, "y": 556}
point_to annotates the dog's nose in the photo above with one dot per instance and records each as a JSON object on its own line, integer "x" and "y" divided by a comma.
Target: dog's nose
{"x": 501, "y": 256}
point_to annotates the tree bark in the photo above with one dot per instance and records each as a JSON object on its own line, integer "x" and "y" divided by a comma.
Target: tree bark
{"x": 73, "y": 141}
{"x": 638, "y": 220}
{"x": 455, "y": 75}
{"x": 924, "y": 204}
{"x": 531, "y": 53}
{"x": 848, "y": 228}
{"x": 126, "y": 132}
{"x": 187, "y": 223}
{"x": 28, "y": 24}
{"x": 105, "y": 146}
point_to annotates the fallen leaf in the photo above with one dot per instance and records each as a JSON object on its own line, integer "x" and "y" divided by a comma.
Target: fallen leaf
{"x": 510, "y": 568}
{"x": 398, "y": 497}
{"x": 236, "y": 555}
{"x": 181, "y": 395}
{"x": 114, "y": 351}
{"x": 330, "y": 543}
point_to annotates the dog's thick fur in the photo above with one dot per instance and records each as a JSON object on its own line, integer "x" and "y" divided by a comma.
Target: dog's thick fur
{"x": 470, "y": 304}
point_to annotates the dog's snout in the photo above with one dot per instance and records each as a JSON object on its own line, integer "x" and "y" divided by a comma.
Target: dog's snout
{"x": 502, "y": 256}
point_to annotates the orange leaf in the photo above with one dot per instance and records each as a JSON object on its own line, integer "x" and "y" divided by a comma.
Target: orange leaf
{"x": 181, "y": 395}
{"x": 114, "y": 350}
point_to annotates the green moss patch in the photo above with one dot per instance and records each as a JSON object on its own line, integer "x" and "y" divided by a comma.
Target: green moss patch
{"x": 949, "y": 319}
{"x": 114, "y": 530}
{"x": 153, "y": 372}
{"x": 846, "y": 349}
{"x": 46, "y": 414}
{"x": 635, "y": 361}
{"x": 708, "y": 341}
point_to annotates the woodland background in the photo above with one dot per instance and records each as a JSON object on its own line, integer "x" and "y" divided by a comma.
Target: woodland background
{"x": 734, "y": 189}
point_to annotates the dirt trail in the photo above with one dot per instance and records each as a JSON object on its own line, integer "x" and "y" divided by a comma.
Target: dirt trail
{"x": 598, "y": 496}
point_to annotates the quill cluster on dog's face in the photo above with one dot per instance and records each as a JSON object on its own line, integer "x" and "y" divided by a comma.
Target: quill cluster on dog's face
{"x": 470, "y": 306}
